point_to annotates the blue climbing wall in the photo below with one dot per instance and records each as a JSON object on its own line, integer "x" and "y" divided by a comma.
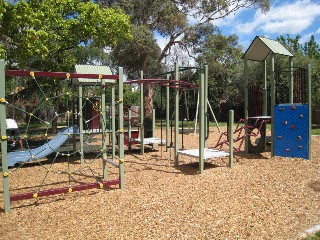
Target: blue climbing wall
{"x": 291, "y": 130}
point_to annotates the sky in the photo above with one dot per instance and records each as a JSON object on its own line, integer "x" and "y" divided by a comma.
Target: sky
{"x": 293, "y": 17}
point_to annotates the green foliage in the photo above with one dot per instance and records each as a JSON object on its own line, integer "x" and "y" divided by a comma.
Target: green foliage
{"x": 42, "y": 34}
{"x": 139, "y": 53}
{"x": 223, "y": 56}
{"x": 309, "y": 53}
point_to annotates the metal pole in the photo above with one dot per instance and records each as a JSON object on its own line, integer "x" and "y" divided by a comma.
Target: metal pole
{"x": 121, "y": 130}
{"x": 141, "y": 116}
{"x": 176, "y": 114}
{"x": 201, "y": 124}
{"x": 4, "y": 149}
{"x": 290, "y": 80}
{"x": 129, "y": 128}
{"x": 310, "y": 109}
{"x": 80, "y": 89}
{"x": 206, "y": 99}
{"x": 273, "y": 100}
{"x": 230, "y": 134}
{"x": 153, "y": 126}
{"x": 246, "y": 100}
{"x": 167, "y": 113}
{"x": 265, "y": 90}
{"x": 113, "y": 120}
{"x": 103, "y": 121}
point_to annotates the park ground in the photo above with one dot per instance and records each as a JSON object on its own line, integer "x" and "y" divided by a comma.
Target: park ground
{"x": 259, "y": 198}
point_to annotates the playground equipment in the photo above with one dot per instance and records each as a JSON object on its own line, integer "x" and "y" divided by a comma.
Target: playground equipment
{"x": 259, "y": 50}
{"x": 95, "y": 77}
{"x": 42, "y": 151}
{"x": 168, "y": 83}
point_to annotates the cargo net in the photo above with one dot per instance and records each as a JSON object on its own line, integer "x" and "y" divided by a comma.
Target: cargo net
{"x": 49, "y": 159}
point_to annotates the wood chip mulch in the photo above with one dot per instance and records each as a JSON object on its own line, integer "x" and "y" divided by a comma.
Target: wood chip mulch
{"x": 259, "y": 198}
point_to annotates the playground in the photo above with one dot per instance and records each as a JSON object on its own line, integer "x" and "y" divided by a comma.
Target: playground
{"x": 259, "y": 198}
{"x": 157, "y": 183}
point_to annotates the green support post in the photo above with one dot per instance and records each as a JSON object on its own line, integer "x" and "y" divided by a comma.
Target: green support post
{"x": 153, "y": 126}
{"x": 4, "y": 149}
{"x": 141, "y": 116}
{"x": 273, "y": 100}
{"x": 80, "y": 90}
{"x": 113, "y": 120}
{"x": 265, "y": 90}
{"x": 121, "y": 130}
{"x": 129, "y": 128}
{"x": 103, "y": 121}
{"x": 201, "y": 124}
{"x": 206, "y": 99}
{"x": 246, "y": 101}
{"x": 230, "y": 135}
{"x": 167, "y": 113}
{"x": 310, "y": 109}
{"x": 176, "y": 116}
{"x": 290, "y": 80}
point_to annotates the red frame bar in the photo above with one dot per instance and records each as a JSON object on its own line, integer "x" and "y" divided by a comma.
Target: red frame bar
{"x": 56, "y": 191}
{"x": 163, "y": 82}
{"x": 23, "y": 73}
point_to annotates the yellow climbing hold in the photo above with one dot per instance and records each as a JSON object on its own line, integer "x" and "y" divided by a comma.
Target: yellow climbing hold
{"x": 121, "y": 160}
{"x": 6, "y": 174}
{"x": 68, "y": 75}
{"x": 120, "y": 100}
{"x": 32, "y": 74}
{"x": 70, "y": 189}
{"x": 2, "y": 100}
{"x": 35, "y": 195}
{"x": 100, "y": 76}
{"x": 4, "y": 137}
{"x": 101, "y": 185}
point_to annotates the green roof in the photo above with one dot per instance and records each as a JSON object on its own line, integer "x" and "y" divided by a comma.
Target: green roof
{"x": 261, "y": 47}
{"x": 93, "y": 69}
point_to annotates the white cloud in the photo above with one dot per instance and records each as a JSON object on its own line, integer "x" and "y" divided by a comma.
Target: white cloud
{"x": 288, "y": 18}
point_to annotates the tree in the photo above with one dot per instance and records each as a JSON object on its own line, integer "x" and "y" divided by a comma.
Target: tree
{"x": 179, "y": 21}
{"x": 47, "y": 34}
{"x": 223, "y": 56}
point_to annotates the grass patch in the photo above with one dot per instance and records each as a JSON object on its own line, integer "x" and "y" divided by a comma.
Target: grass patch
{"x": 315, "y": 236}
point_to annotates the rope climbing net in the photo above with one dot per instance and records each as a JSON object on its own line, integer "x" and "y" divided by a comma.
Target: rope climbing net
{"x": 60, "y": 160}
